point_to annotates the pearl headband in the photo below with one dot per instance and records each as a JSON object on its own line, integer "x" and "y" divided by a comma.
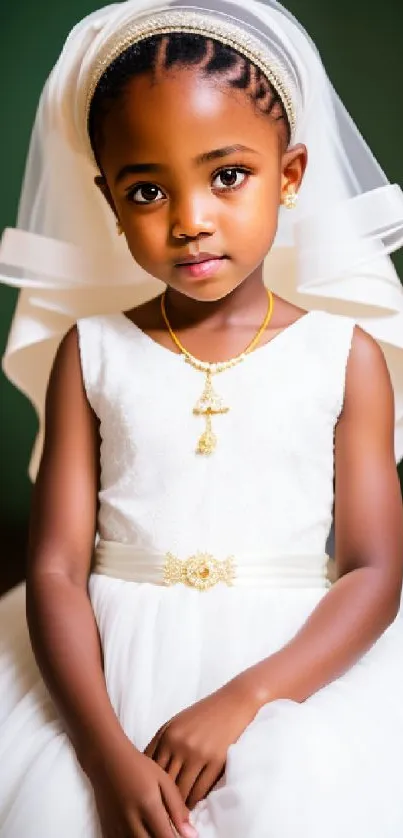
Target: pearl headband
{"x": 197, "y": 22}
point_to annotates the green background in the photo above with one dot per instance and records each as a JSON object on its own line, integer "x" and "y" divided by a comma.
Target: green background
{"x": 362, "y": 49}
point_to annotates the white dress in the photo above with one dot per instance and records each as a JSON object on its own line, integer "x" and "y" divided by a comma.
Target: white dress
{"x": 329, "y": 767}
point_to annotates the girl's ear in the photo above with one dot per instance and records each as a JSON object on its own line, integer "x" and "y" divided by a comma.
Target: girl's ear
{"x": 102, "y": 185}
{"x": 293, "y": 167}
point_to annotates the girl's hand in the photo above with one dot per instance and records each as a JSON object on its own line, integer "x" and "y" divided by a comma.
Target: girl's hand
{"x": 135, "y": 798}
{"x": 192, "y": 748}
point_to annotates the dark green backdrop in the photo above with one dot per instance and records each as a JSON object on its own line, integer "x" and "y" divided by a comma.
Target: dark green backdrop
{"x": 362, "y": 49}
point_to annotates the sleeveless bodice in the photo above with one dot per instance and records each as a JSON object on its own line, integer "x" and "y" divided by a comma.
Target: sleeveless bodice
{"x": 269, "y": 484}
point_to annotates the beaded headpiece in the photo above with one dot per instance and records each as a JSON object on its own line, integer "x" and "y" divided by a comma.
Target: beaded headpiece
{"x": 195, "y": 21}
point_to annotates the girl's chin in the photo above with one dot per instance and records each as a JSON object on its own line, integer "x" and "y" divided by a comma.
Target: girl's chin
{"x": 206, "y": 292}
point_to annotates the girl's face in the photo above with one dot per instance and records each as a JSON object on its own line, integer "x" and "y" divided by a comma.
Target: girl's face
{"x": 195, "y": 175}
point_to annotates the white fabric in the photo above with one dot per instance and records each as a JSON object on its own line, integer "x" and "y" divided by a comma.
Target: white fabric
{"x": 329, "y": 767}
{"x": 331, "y": 252}
{"x": 123, "y": 561}
{"x": 157, "y": 495}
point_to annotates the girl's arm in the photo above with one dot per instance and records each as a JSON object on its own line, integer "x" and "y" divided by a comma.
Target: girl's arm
{"x": 369, "y": 544}
{"x": 62, "y": 529}
{"x": 131, "y": 792}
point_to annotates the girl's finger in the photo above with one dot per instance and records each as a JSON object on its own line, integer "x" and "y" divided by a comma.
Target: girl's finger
{"x": 158, "y": 825}
{"x": 155, "y": 823}
{"x": 162, "y": 754}
{"x": 187, "y": 778}
{"x": 204, "y": 783}
{"x": 162, "y": 757}
{"x": 174, "y": 767}
{"x": 153, "y": 745}
{"x": 140, "y": 831}
{"x": 176, "y": 808}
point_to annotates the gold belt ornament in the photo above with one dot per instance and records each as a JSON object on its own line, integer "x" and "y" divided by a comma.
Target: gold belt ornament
{"x": 201, "y": 571}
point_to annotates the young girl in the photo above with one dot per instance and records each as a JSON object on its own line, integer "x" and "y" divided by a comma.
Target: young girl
{"x": 203, "y": 675}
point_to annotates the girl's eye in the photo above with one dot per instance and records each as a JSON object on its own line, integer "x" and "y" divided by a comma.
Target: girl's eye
{"x": 146, "y": 193}
{"x": 229, "y": 178}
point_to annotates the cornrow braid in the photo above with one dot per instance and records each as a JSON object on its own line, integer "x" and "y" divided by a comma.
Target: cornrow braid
{"x": 162, "y": 52}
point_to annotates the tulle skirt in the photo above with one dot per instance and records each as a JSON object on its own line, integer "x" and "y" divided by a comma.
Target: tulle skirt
{"x": 330, "y": 767}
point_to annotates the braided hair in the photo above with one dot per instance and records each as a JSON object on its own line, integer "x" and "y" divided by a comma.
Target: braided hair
{"x": 164, "y": 52}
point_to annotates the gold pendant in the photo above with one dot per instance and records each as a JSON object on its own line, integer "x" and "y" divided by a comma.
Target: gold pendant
{"x": 210, "y": 404}
{"x": 208, "y": 440}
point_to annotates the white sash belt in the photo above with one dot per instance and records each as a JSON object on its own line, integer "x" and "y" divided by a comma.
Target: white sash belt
{"x": 203, "y": 571}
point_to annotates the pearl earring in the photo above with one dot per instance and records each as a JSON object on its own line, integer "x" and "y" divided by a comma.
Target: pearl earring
{"x": 290, "y": 200}
{"x": 119, "y": 228}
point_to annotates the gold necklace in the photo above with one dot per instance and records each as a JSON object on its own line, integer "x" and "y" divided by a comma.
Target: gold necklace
{"x": 210, "y": 403}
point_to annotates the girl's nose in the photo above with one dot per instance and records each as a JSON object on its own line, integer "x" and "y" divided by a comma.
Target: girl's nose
{"x": 191, "y": 220}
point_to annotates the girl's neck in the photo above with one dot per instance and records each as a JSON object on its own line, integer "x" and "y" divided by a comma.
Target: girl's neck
{"x": 240, "y": 305}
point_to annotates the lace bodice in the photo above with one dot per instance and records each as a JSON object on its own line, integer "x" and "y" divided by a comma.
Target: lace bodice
{"x": 269, "y": 484}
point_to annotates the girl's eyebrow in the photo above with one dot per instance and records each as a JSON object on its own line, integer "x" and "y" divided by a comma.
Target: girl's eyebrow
{"x": 218, "y": 153}
{"x": 205, "y": 157}
{"x": 138, "y": 169}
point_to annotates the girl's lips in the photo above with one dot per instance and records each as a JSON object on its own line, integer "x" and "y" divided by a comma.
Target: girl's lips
{"x": 203, "y": 267}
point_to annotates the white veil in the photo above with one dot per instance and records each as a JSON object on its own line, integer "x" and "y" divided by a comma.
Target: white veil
{"x": 332, "y": 252}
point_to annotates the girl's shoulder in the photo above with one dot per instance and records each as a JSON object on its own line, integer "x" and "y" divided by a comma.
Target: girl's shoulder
{"x": 103, "y": 350}
{"x": 98, "y": 322}
{"x": 139, "y": 319}
{"x": 332, "y": 321}
{"x": 316, "y": 322}
{"x": 327, "y": 345}
{"x": 343, "y": 331}
{"x": 329, "y": 334}
{"x": 101, "y": 332}
{"x": 353, "y": 361}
